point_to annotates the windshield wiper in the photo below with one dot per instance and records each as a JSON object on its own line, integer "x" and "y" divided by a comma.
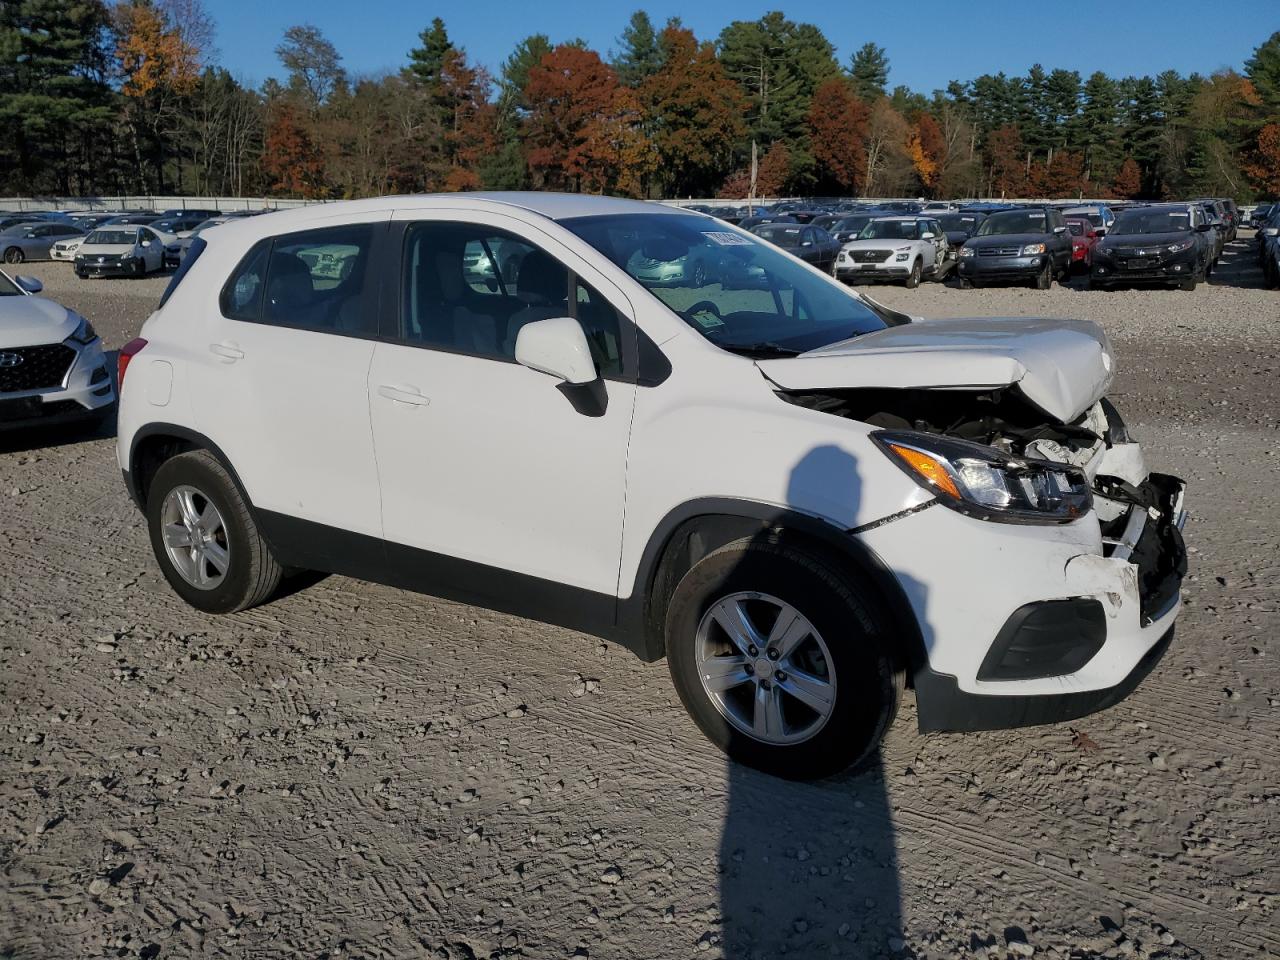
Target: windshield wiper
{"x": 764, "y": 348}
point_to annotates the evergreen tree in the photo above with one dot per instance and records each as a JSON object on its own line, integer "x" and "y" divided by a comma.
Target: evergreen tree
{"x": 1263, "y": 71}
{"x": 427, "y": 61}
{"x": 55, "y": 104}
{"x": 869, "y": 70}
{"x": 640, "y": 56}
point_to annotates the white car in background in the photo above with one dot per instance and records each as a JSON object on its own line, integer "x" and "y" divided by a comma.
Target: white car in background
{"x": 52, "y": 368}
{"x": 65, "y": 250}
{"x": 902, "y": 249}
{"x": 124, "y": 250}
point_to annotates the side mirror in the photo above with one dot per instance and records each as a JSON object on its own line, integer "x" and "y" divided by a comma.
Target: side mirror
{"x": 146, "y": 243}
{"x": 557, "y": 347}
{"x": 1059, "y": 229}
{"x": 1203, "y": 227}
{"x": 29, "y": 284}
{"x": 927, "y": 235}
{"x": 1100, "y": 232}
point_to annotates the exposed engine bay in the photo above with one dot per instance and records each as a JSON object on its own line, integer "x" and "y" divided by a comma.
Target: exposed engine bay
{"x": 1002, "y": 418}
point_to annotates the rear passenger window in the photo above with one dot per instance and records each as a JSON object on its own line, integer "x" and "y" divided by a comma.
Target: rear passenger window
{"x": 313, "y": 281}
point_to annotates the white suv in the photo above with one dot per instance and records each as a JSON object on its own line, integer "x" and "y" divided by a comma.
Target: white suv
{"x": 799, "y": 498}
{"x": 901, "y": 249}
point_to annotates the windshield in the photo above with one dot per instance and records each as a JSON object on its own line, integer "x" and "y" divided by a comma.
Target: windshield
{"x": 891, "y": 230}
{"x": 1013, "y": 221}
{"x": 851, "y": 224}
{"x": 738, "y": 292}
{"x": 113, "y": 237}
{"x": 958, "y": 221}
{"x": 1136, "y": 222}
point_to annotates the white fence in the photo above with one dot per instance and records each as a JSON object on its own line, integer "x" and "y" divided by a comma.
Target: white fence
{"x": 108, "y": 204}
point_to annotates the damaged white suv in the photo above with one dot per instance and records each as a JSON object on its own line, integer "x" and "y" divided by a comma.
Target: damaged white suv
{"x": 799, "y": 498}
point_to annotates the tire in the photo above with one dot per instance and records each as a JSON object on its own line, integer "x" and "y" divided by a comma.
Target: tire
{"x": 1189, "y": 284}
{"x": 14, "y": 255}
{"x": 913, "y": 278}
{"x": 966, "y": 283}
{"x": 855, "y": 657}
{"x": 1044, "y": 279}
{"x": 251, "y": 573}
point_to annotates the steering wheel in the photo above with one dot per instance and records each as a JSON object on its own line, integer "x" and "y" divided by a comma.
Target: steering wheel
{"x": 700, "y": 307}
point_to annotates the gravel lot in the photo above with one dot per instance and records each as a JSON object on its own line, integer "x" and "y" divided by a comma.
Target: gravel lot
{"x": 352, "y": 771}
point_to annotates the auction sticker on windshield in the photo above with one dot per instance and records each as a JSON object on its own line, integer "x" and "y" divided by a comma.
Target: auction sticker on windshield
{"x": 727, "y": 239}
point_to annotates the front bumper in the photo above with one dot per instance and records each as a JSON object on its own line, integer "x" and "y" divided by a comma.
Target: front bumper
{"x": 979, "y": 580}
{"x": 888, "y": 270}
{"x": 67, "y": 256}
{"x": 87, "y": 390}
{"x": 89, "y": 267}
{"x": 1170, "y": 269}
{"x": 982, "y": 269}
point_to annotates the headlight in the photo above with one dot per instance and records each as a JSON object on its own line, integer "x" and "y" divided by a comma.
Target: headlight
{"x": 966, "y": 251}
{"x": 1032, "y": 248}
{"x": 84, "y": 332}
{"x": 904, "y": 253}
{"x": 985, "y": 483}
{"x": 1179, "y": 247}
{"x": 842, "y": 256}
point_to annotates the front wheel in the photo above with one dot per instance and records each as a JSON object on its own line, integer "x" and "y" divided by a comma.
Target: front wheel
{"x": 913, "y": 278}
{"x": 205, "y": 538}
{"x": 1189, "y": 284}
{"x": 781, "y": 659}
{"x": 1044, "y": 279}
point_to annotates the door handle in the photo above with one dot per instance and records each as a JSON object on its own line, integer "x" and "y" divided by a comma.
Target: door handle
{"x": 408, "y": 395}
{"x": 229, "y": 351}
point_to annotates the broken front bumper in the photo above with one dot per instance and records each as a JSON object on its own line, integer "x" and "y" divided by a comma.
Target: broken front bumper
{"x": 1029, "y": 625}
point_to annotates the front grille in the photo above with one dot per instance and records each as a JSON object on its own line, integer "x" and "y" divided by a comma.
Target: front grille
{"x": 35, "y": 367}
{"x": 998, "y": 251}
{"x": 870, "y": 256}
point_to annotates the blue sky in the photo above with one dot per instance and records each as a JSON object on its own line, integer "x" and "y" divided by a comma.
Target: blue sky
{"x": 928, "y": 42}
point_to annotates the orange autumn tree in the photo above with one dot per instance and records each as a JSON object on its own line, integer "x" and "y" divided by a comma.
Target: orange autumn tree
{"x": 1128, "y": 182}
{"x": 158, "y": 57}
{"x": 837, "y": 129}
{"x": 926, "y": 148}
{"x": 693, "y": 113}
{"x": 1006, "y": 159}
{"x": 573, "y": 110}
{"x": 469, "y": 119}
{"x": 1263, "y": 163}
{"x": 291, "y": 157}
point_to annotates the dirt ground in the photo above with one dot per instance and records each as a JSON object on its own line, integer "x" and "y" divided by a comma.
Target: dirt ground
{"x": 352, "y": 771}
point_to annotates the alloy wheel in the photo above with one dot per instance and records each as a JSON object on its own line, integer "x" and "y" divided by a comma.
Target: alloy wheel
{"x": 766, "y": 668}
{"x": 195, "y": 537}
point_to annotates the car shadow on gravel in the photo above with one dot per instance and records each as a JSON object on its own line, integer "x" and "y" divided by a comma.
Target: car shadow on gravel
{"x": 810, "y": 869}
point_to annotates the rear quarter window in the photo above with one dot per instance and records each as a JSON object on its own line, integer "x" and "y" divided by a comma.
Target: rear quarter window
{"x": 188, "y": 261}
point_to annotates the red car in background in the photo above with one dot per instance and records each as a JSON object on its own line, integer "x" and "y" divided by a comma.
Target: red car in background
{"x": 1083, "y": 239}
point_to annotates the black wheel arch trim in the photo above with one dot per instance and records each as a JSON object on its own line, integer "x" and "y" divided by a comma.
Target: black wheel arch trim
{"x": 637, "y": 616}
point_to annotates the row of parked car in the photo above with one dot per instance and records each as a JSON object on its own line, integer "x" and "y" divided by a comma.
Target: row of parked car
{"x": 1266, "y": 223}
{"x": 1168, "y": 244}
{"x": 130, "y": 243}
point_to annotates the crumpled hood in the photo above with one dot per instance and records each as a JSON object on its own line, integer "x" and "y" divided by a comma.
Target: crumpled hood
{"x": 27, "y": 321}
{"x": 1062, "y": 366}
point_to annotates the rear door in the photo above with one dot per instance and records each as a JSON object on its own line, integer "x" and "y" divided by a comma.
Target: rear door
{"x": 280, "y": 378}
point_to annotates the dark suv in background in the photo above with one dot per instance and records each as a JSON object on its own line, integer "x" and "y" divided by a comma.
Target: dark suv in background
{"x": 1164, "y": 243}
{"x": 1030, "y": 243}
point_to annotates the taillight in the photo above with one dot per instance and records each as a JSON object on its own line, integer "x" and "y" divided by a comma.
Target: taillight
{"x": 127, "y": 353}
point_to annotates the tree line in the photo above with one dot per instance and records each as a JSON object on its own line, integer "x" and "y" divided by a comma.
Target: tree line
{"x": 128, "y": 98}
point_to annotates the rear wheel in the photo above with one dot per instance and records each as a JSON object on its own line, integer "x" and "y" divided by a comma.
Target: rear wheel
{"x": 913, "y": 278}
{"x": 14, "y": 255}
{"x": 205, "y": 538}
{"x": 781, "y": 660}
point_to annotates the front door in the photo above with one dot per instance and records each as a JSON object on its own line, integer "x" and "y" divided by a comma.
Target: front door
{"x": 497, "y": 480}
